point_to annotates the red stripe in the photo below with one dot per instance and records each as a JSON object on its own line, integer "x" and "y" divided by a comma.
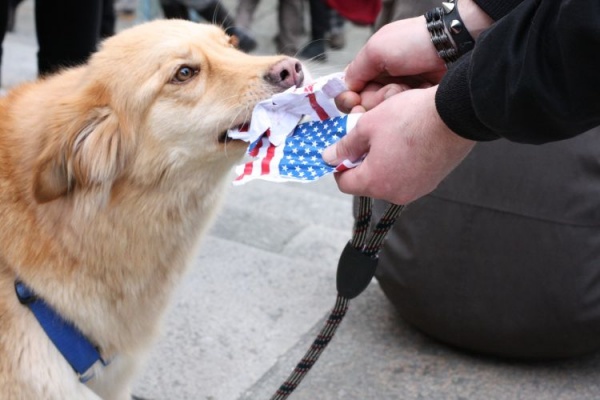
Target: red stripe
{"x": 249, "y": 165}
{"x": 341, "y": 168}
{"x": 265, "y": 165}
{"x": 317, "y": 107}
{"x": 254, "y": 151}
{"x": 247, "y": 171}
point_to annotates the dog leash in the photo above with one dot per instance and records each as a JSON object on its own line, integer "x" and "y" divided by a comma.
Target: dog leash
{"x": 356, "y": 268}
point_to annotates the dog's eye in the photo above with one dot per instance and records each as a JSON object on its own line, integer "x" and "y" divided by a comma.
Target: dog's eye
{"x": 184, "y": 74}
{"x": 234, "y": 42}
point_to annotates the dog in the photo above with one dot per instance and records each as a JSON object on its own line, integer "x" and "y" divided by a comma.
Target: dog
{"x": 110, "y": 173}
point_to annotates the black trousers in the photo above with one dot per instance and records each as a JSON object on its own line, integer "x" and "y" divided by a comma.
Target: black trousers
{"x": 68, "y": 31}
{"x": 319, "y": 19}
{"x": 3, "y": 22}
{"x": 504, "y": 256}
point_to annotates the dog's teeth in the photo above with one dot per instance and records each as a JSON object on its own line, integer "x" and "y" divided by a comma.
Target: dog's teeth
{"x": 238, "y": 133}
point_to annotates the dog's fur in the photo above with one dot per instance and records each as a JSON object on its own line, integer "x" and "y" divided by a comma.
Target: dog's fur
{"x": 109, "y": 174}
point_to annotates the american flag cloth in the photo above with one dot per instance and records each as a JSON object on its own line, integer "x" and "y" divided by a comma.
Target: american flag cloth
{"x": 284, "y": 111}
{"x": 298, "y": 159}
{"x": 285, "y": 150}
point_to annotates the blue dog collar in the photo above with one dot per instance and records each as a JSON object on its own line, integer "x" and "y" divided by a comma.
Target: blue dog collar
{"x": 80, "y": 353}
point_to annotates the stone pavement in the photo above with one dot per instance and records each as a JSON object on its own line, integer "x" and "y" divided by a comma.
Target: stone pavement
{"x": 264, "y": 281}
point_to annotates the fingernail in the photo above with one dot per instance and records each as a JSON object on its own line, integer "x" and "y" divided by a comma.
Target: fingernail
{"x": 329, "y": 155}
{"x": 392, "y": 90}
{"x": 348, "y": 104}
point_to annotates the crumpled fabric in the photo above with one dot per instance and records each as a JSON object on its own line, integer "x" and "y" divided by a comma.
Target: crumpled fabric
{"x": 289, "y": 131}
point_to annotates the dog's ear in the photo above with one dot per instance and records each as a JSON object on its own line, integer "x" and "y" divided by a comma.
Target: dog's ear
{"x": 51, "y": 179}
{"x": 95, "y": 154}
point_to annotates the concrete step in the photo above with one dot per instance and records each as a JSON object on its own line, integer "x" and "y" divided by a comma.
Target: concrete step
{"x": 236, "y": 312}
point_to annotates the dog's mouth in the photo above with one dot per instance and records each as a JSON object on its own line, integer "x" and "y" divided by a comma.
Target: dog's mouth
{"x": 224, "y": 136}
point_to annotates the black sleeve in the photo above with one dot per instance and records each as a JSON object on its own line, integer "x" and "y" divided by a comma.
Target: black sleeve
{"x": 497, "y": 9}
{"x": 533, "y": 77}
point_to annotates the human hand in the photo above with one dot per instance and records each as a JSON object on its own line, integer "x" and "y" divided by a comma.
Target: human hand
{"x": 409, "y": 150}
{"x": 373, "y": 94}
{"x": 400, "y": 53}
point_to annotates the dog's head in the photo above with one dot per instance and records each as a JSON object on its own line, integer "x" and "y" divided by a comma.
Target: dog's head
{"x": 154, "y": 101}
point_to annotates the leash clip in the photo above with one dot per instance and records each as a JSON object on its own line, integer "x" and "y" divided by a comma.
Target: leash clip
{"x": 355, "y": 271}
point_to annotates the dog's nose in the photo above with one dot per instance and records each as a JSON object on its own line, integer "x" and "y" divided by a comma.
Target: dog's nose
{"x": 286, "y": 73}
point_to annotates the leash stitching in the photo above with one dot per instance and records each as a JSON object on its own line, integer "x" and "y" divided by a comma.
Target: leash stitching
{"x": 368, "y": 246}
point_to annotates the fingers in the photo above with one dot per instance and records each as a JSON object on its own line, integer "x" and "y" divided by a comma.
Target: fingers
{"x": 351, "y": 147}
{"x": 357, "y": 181}
{"x": 362, "y": 69}
{"x": 372, "y": 95}
{"x": 372, "y": 98}
{"x": 371, "y": 62}
{"x": 347, "y": 100}
{"x": 399, "y": 49}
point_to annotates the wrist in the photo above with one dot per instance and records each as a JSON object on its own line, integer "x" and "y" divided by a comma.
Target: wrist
{"x": 474, "y": 18}
{"x": 451, "y": 35}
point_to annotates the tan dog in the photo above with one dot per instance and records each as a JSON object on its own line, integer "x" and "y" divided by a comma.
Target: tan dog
{"x": 109, "y": 174}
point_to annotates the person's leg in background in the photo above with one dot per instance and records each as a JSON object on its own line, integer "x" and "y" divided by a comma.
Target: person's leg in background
{"x": 291, "y": 26}
{"x": 107, "y": 24}
{"x": 4, "y": 4}
{"x": 336, "y": 37}
{"x": 244, "y": 13}
{"x": 12, "y": 10}
{"x": 217, "y": 13}
{"x": 319, "y": 23}
{"x": 68, "y": 32}
{"x": 174, "y": 10}
{"x": 393, "y": 10}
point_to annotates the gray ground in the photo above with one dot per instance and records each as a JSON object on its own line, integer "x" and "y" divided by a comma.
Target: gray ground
{"x": 264, "y": 281}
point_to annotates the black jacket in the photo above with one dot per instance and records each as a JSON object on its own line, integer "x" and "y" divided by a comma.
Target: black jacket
{"x": 533, "y": 76}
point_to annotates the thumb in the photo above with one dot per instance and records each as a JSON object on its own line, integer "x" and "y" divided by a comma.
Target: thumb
{"x": 351, "y": 147}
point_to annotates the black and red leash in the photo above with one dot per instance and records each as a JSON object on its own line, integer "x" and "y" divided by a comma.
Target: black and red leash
{"x": 356, "y": 268}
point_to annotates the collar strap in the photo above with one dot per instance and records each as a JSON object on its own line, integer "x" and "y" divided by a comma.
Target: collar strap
{"x": 80, "y": 353}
